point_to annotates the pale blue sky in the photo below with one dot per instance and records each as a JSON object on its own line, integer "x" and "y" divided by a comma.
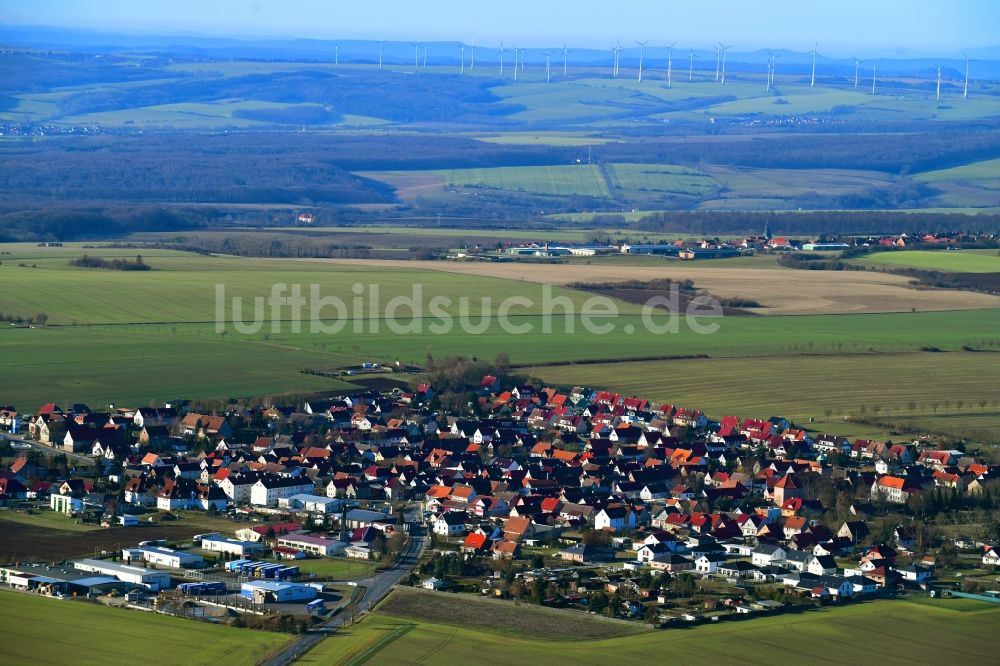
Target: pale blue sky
{"x": 931, "y": 26}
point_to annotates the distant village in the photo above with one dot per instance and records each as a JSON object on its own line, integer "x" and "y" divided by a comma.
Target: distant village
{"x": 715, "y": 248}
{"x": 581, "y": 498}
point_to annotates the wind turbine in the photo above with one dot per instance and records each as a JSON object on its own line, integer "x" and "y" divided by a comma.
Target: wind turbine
{"x": 718, "y": 59}
{"x": 937, "y": 95}
{"x": 416, "y": 54}
{"x": 501, "y": 60}
{"x": 617, "y": 48}
{"x": 873, "y": 79}
{"x": 523, "y": 53}
{"x": 548, "y": 66}
{"x": 513, "y": 47}
{"x": 690, "y": 64}
{"x": 812, "y": 81}
{"x": 642, "y": 47}
{"x": 425, "y": 56}
{"x": 724, "y": 49}
{"x": 381, "y": 46}
{"x": 670, "y": 64}
{"x": 965, "y": 91}
{"x": 770, "y": 71}
{"x": 462, "y": 70}
{"x": 336, "y": 55}
{"x": 565, "y": 59}
{"x": 857, "y": 69}
{"x": 472, "y": 61}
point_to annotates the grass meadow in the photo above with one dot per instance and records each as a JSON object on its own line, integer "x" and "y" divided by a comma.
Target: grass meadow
{"x": 889, "y": 631}
{"x": 818, "y": 391}
{"x": 965, "y": 261}
{"x": 39, "y": 630}
{"x": 563, "y": 180}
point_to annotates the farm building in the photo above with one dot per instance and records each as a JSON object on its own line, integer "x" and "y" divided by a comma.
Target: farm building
{"x": 666, "y": 250}
{"x": 825, "y": 247}
{"x": 220, "y": 544}
{"x": 264, "y": 591}
{"x": 164, "y": 557}
{"x": 153, "y": 581}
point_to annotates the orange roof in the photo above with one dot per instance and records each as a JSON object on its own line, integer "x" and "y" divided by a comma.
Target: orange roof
{"x": 462, "y": 491}
{"x": 891, "y": 482}
{"x": 786, "y": 482}
{"x": 795, "y": 522}
{"x": 474, "y": 540}
{"x": 439, "y": 492}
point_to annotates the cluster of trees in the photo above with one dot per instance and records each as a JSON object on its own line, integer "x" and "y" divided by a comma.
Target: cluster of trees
{"x": 87, "y": 261}
{"x": 39, "y": 319}
{"x": 69, "y": 223}
{"x": 183, "y": 169}
{"x": 398, "y": 96}
{"x": 268, "y": 245}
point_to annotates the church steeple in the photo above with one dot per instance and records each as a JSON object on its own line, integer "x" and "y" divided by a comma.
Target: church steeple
{"x": 767, "y": 232}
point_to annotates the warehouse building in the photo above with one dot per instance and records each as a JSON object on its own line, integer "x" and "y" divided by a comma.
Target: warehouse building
{"x": 220, "y": 544}
{"x": 153, "y": 581}
{"x": 312, "y": 544}
{"x": 273, "y": 591}
{"x": 58, "y": 580}
{"x": 311, "y": 503}
{"x": 163, "y": 557}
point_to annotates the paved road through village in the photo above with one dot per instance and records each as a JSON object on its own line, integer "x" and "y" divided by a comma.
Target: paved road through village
{"x": 375, "y": 589}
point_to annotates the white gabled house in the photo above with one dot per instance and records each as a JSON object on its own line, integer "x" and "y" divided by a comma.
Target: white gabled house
{"x": 615, "y": 517}
{"x": 268, "y": 490}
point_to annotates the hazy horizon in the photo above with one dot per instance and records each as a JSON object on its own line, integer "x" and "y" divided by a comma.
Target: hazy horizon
{"x": 850, "y": 26}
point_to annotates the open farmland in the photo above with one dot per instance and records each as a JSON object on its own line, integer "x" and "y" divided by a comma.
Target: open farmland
{"x": 662, "y": 178}
{"x": 988, "y": 170}
{"x": 910, "y": 633}
{"x": 116, "y": 363}
{"x": 564, "y": 180}
{"x": 965, "y": 261}
{"x": 38, "y": 630}
{"x": 525, "y": 621}
{"x": 940, "y": 390}
{"x": 160, "y": 323}
{"x": 182, "y": 286}
{"x": 50, "y": 536}
{"x": 136, "y": 364}
{"x": 784, "y": 291}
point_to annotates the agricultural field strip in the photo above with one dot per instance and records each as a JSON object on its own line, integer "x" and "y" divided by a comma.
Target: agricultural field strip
{"x": 914, "y": 633}
{"x": 781, "y": 292}
{"x": 38, "y": 630}
{"x": 815, "y": 390}
{"x": 114, "y": 363}
{"x": 965, "y": 261}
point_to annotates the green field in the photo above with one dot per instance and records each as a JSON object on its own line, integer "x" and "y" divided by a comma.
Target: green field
{"x": 894, "y": 632}
{"x": 965, "y": 261}
{"x": 181, "y": 288}
{"x": 662, "y": 178}
{"x": 119, "y": 363}
{"x": 37, "y": 630}
{"x": 985, "y": 170}
{"x": 339, "y": 568}
{"x": 565, "y": 180}
{"x": 816, "y": 391}
{"x": 154, "y": 336}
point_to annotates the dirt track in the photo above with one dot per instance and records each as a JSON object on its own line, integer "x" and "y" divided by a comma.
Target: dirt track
{"x": 782, "y": 291}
